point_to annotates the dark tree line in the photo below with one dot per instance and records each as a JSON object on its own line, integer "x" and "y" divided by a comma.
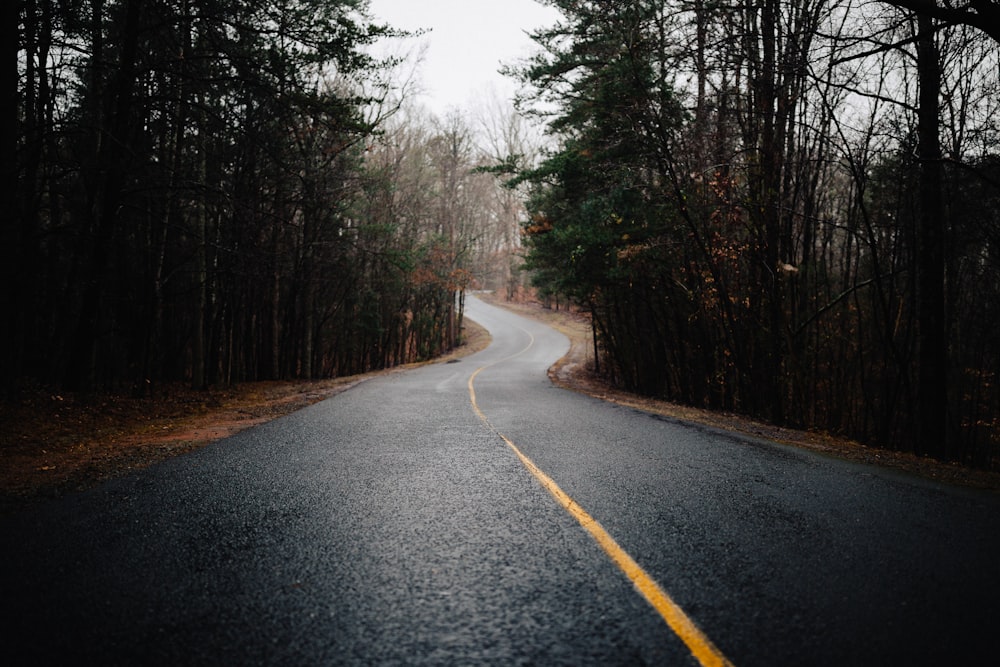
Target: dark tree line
{"x": 190, "y": 197}
{"x": 786, "y": 208}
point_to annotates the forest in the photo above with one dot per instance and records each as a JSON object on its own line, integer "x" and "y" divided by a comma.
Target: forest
{"x": 786, "y": 209}
{"x": 219, "y": 191}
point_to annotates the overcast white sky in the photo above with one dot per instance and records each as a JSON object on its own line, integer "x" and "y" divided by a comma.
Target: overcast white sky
{"x": 468, "y": 42}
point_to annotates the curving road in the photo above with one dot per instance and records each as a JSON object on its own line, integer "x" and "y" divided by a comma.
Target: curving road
{"x": 396, "y": 523}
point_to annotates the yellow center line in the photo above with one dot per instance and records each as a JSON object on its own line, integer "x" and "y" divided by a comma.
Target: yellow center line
{"x": 700, "y": 646}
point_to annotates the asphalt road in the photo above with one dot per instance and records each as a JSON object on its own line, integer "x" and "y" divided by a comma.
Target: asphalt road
{"x": 394, "y": 524}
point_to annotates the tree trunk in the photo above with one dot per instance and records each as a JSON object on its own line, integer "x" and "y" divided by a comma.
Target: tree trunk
{"x": 106, "y": 198}
{"x": 198, "y": 348}
{"x": 932, "y": 390}
{"x": 16, "y": 230}
{"x": 768, "y": 349}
